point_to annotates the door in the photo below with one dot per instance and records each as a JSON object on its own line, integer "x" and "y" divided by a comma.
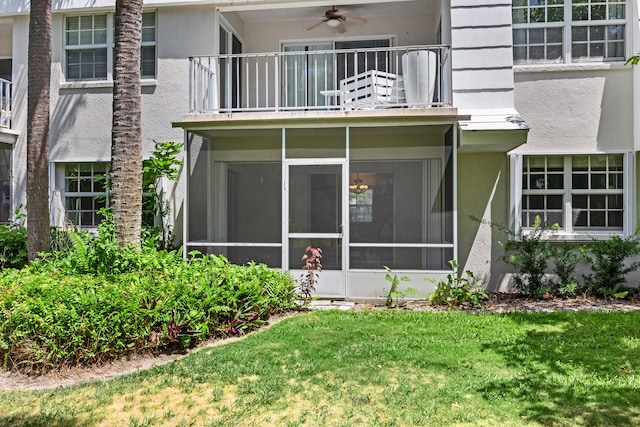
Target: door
{"x": 316, "y": 218}
{"x": 230, "y": 69}
{"x": 307, "y": 74}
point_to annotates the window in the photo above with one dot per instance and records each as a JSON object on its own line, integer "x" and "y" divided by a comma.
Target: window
{"x": 89, "y": 46}
{"x": 580, "y": 193}
{"x": 148, "y": 49}
{"x": 86, "y": 44}
{"x": 361, "y": 205}
{"x": 564, "y": 31}
{"x": 84, "y": 193}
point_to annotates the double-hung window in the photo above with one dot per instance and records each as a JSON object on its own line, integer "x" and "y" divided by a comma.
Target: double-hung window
{"x": 89, "y": 41}
{"x": 87, "y": 47}
{"x": 85, "y": 193}
{"x": 582, "y": 194}
{"x": 565, "y": 31}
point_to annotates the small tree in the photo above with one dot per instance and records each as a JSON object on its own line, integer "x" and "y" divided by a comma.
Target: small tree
{"x": 126, "y": 133}
{"x": 312, "y": 257}
{"x": 38, "y": 98}
{"x": 163, "y": 163}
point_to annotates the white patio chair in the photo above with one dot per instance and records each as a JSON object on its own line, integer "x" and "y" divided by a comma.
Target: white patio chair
{"x": 371, "y": 89}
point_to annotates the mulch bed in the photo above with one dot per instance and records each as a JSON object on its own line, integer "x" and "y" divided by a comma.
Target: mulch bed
{"x": 508, "y": 302}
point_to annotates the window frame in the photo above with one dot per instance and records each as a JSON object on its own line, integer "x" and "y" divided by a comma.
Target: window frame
{"x": 567, "y": 25}
{"x": 568, "y": 231}
{"x": 109, "y": 46}
{"x": 93, "y": 46}
{"x": 65, "y": 193}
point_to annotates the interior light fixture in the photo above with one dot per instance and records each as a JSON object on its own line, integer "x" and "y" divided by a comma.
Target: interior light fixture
{"x": 358, "y": 186}
{"x": 333, "y": 23}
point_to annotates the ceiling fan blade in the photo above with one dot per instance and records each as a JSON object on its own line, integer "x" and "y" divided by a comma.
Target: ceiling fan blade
{"x": 317, "y": 25}
{"x": 355, "y": 20}
{"x": 341, "y": 28}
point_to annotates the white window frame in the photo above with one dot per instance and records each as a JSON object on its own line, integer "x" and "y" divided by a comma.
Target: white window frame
{"x": 153, "y": 43}
{"x": 568, "y": 232}
{"x": 567, "y": 26}
{"x": 109, "y": 45}
{"x": 62, "y": 169}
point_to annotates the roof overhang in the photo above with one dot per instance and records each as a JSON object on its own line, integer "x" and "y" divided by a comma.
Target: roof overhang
{"x": 493, "y": 131}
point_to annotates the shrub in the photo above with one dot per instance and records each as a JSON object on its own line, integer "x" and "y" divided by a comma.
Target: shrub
{"x": 13, "y": 246}
{"x": 458, "y": 290}
{"x": 529, "y": 254}
{"x": 55, "y": 313}
{"x": 566, "y": 258}
{"x": 608, "y": 263}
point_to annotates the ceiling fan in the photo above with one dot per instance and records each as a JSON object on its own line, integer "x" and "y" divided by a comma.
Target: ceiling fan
{"x": 336, "y": 18}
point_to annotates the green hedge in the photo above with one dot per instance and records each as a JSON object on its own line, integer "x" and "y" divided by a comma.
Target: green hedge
{"x": 52, "y": 316}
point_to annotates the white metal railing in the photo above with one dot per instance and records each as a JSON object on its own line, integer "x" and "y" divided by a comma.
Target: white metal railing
{"x": 6, "y": 88}
{"x": 344, "y": 79}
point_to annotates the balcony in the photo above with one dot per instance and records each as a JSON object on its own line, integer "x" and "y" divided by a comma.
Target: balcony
{"x": 321, "y": 80}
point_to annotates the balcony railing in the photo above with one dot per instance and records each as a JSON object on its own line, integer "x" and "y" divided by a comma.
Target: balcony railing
{"x": 5, "y": 103}
{"x": 346, "y": 79}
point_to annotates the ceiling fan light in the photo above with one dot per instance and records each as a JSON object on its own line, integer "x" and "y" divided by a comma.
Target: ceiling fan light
{"x": 333, "y": 23}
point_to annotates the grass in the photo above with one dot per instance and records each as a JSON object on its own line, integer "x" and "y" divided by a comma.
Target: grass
{"x": 376, "y": 368}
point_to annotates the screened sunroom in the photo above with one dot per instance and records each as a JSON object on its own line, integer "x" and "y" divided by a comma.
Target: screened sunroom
{"x": 368, "y": 196}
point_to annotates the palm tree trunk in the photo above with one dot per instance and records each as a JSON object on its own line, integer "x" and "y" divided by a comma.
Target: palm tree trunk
{"x": 38, "y": 95}
{"x": 126, "y": 135}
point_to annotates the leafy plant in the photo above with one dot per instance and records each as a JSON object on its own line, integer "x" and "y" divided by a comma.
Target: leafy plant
{"x": 13, "y": 246}
{"x": 566, "y": 258}
{"x": 529, "y": 253}
{"x": 51, "y": 316}
{"x": 163, "y": 164}
{"x": 458, "y": 290}
{"x": 312, "y": 265}
{"x": 608, "y": 262}
{"x": 394, "y": 293}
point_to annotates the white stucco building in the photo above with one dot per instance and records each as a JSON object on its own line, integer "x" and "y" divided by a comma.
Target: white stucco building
{"x": 374, "y": 130}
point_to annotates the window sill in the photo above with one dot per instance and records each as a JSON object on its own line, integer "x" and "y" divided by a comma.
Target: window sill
{"x": 97, "y": 84}
{"x": 583, "y": 236}
{"x": 578, "y": 66}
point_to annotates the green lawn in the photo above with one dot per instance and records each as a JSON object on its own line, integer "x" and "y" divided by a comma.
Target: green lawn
{"x": 376, "y": 368}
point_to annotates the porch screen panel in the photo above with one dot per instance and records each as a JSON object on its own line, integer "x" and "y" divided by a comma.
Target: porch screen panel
{"x": 235, "y": 196}
{"x": 237, "y": 255}
{"x": 310, "y": 143}
{"x": 404, "y": 222}
{"x": 5, "y": 185}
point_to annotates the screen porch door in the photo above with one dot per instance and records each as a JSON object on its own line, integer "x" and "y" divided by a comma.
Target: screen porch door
{"x": 316, "y": 212}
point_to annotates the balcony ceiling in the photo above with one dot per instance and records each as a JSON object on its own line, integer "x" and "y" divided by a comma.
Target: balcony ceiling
{"x": 286, "y": 11}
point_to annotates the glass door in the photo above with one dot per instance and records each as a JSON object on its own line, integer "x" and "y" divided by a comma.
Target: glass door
{"x": 307, "y": 73}
{"x": 316, "y": 217}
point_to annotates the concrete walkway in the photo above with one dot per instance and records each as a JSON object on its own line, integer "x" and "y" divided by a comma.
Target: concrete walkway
{"x": 325, "y": 304}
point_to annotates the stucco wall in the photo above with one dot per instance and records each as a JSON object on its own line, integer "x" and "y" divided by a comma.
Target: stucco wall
{"x": 483, "y": 193}
{"x": 576, "y": 108}
{"x": 81, "y": 112}
{"x": 266, "y": 36}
